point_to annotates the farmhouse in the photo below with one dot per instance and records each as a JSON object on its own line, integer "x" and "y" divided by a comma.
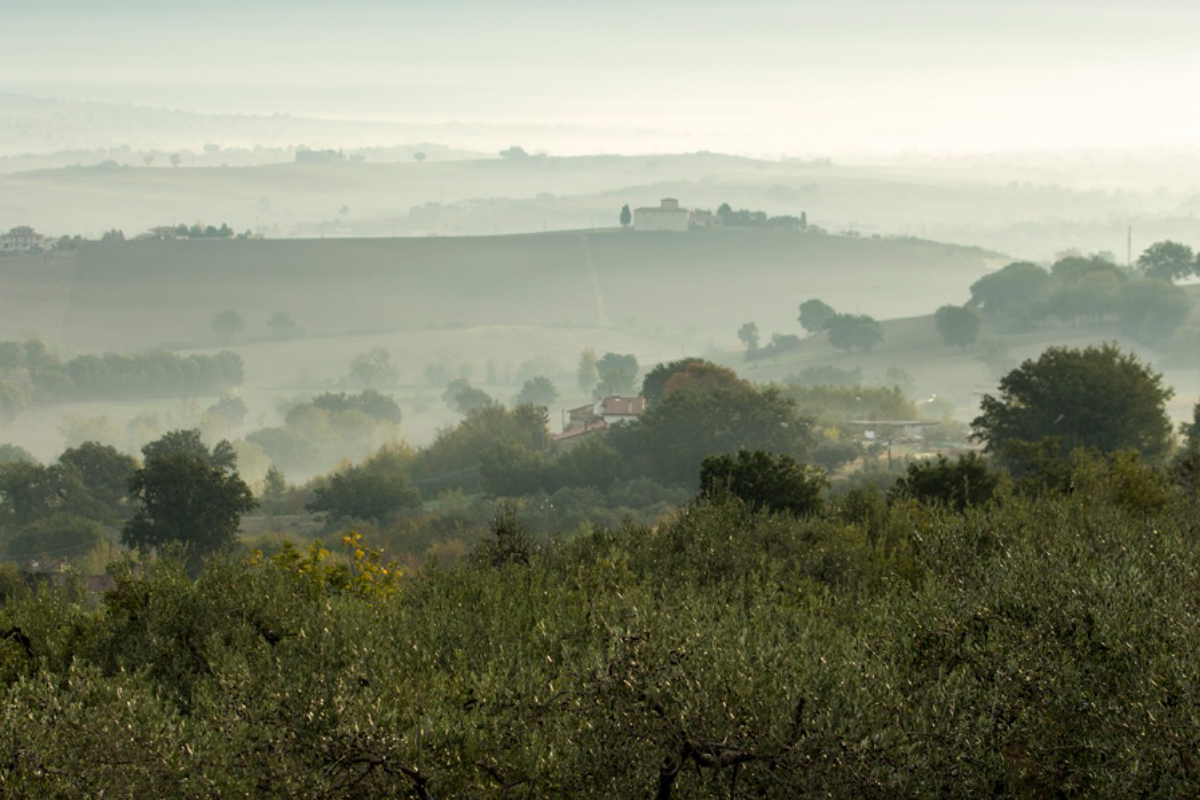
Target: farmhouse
{"x": 667, "y": 216}
{"x": 621, "y": 409}
{"x": 22, "y": 239}
{"x": 593, "y": 419}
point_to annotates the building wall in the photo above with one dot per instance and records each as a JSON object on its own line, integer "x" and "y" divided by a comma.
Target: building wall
{"x": 660, "y": 219}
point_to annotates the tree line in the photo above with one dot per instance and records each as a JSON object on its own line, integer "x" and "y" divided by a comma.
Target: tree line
{"x": 31, "y": 372}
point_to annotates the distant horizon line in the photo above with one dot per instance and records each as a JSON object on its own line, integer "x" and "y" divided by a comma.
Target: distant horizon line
{"x": 901, "y": 150}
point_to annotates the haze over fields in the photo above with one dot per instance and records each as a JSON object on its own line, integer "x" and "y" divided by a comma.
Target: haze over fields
{"x": 466, "y": 165}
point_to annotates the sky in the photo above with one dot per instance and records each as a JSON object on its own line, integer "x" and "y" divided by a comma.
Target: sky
{"x": 757, "y": 77}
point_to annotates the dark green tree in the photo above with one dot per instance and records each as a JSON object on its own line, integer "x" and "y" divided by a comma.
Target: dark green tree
{"x": 187, "y": 495}
{"x": 676, "y": 434}
{"x": 1014, "y": 296}
{"x": 618, "y": 373}
{"x": 373, "y": 370}
{"x": 228, "y": 325}
{"x": 364, "y": 493}
{"x": 94, "y": 480}
{"x": 1167, "y": 261}
{"x": 28, "y": 491}
{"x": 538, "y": 391}
{"x": 849, "y": 331}
{"x": 1151, "y": 310}
{"x": 10, "y": 453}
{"x": 957, "y": 484}
{"x": 1097, "y": 397}
{"x": 815, "y": 315}
{"x": 472, "y": 399}
{"x": 1185, "y": 467}
{"x": 748, "y": 336}
{"x": 1089, "y": 296}
{"x": 763, "y": 481}
{"x": 586, "y": 373}
{"x": 282, "y": 326}
{"x": 188, "y": 442}
{"x": 958, "y": 326}
{"x": 626, "y": 216}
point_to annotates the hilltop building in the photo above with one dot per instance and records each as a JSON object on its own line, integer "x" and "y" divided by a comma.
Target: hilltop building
{"x": 589, "y": 420}
{"x": 666, "y": 216}
{"x": 20, "y": 240}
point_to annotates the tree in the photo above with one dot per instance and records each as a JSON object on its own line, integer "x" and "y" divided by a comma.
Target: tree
{"x": 282, "y": 326}
{"x": 957, "y": 325}
{"x": 847, "y": 331}
{"x": 472, "y": 399}
{"x": 1185, "y": 467}
{"x": 626, "y": 216}
{"x": 748, "y": 335}
{"x": 1167, "y": 261}
{"x": 187, "y": 495}
{"x": 373, "y": 369}
{"x": 617, "y": 372}
{"x": 1014, "y": 296}
{"x": 763, "y": 481}
{"x": 514, "y": 153}
{"x": 538, "y": 391}
{"x": 1089, "y": 295}
{"x": 669, "y": 441}
{"x": 955, "y": 484}
{"x": 29, "y": 491}
{"x": 1151, "y": 309}
{"x": 228, "y": 324}
{"x": 364, "y": 493}
{"x": 95, "y": 481}
{"x": 815, "y": 315}
{"x": 1097, "y": 397}
{"x": 586, "y": 373}
{"x": 656, "y": 379}
{"x": 703, "y": 376}
{"x": 419, "y": 156}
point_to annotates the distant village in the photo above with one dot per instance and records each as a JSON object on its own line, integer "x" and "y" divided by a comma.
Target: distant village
{"x": 669, "y": 216}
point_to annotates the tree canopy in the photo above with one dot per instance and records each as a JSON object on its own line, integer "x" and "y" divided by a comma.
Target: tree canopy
{"x": 669, "y": 441}
{"x": 958, "y": 326}
{"x": 618, "y": 373}
{"x": 1151, "y": 309}
{"x": 537, "y": 391}
{"x": 188, "y": 495}
{"x": 1096, "y": 397}
{"x": 1167, "y": 261}
{"x": 1013, "y": 296}
{"x": 849, "y": 331}
{"x": 763, "y": 481}
{"x": 815, "y": 315}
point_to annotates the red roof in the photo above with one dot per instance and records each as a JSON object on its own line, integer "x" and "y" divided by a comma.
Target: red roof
{"x": 591, "y": 427}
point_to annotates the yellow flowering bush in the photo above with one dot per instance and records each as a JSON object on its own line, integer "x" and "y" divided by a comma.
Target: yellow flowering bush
{"x": 363, "y": 571}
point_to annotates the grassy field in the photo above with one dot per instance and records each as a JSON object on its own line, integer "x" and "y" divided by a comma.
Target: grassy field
{"x": 687, "y": 287}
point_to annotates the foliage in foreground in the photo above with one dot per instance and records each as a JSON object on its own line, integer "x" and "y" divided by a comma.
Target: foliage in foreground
{"x": 1023, "y": 648}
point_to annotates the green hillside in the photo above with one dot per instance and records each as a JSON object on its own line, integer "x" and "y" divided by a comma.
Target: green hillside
{"x": 701, "y": 284}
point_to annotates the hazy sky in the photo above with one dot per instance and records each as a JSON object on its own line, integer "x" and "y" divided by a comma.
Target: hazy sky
{"x": 758, "y": 76}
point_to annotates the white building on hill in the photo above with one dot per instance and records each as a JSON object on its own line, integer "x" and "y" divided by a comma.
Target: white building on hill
{"x": 667, "y": 216}
{"x": 22, "y": 239}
